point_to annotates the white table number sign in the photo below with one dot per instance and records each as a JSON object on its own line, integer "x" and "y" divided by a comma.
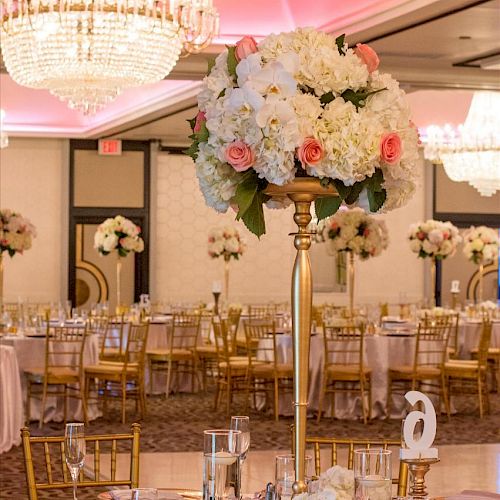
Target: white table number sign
{"x": 416, "y": 447}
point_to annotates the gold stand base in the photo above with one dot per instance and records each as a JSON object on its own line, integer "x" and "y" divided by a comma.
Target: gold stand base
{"x": 418, "y": 469}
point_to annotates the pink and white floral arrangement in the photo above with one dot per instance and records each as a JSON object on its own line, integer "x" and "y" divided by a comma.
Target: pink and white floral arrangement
{"x": 118, "y": 234}
{"x": 302, "y": 104}
{"x": 225, "y": 242}
{"x": 481, "y": 244}
{"x": 434, "y": 239}
{"x": 355, "y": 231}
{"x": 16, "y": 232}
{"x": 336, "y": 483}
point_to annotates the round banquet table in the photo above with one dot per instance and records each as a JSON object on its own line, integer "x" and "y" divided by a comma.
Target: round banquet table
{"x": 11, "y": 399}
{"x": 381, "y": 353}
{"x": 30, "y": 353}
{"x": 469, "y": 333}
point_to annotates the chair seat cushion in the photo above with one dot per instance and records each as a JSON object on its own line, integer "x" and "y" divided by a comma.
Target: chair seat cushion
{"x": 407, "y": 372}
{"x": 283, "y": 370}
{"x": 111, "y": 367}
{"x": 207, "y": 350}
{"x": 56, "y": 375}
{"x": 346, "y": 372}
{"x": 166, "y": 354}
{"x": 237, "y": 364}
{"x": 462, "y": 367}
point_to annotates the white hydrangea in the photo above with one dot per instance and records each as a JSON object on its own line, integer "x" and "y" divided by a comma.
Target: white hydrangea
{"x": 433, "y": 238}
{"x": 481, "y": 244}
{"x": 225, "y": 242}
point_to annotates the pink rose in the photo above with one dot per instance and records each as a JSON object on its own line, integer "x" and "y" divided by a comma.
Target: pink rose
{"x": 240, "y": 156}
{"x": 368, "y": 56}
{"x": 199, "y": 121}
{"x": 390, "y": 148}
{"x": 246, "y": 46}
{"x": 310, "y": 152}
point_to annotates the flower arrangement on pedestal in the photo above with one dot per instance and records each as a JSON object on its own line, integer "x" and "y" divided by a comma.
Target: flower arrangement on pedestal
{"x": 481, "y": 247}
{"x": 118, "y": 234}
{"x": 16, "y": 235}
{"x": 225, "y": 242}
{"x": 481, "y": 244}
{"x": 434, "y": 239}
{"x": 302, "y": 104}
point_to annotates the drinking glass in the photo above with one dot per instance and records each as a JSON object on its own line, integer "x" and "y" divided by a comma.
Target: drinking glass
{"x": 285, "y": 475}
{"x": 242, "y": 424}
{"x": 144, "y": 494}
{"x": 74, "y": 451}
{"x": 372, "y": 474}
{"x": 221, "y": 465}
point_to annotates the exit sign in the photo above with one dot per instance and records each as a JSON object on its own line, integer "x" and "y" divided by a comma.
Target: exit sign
{"x": 110, "y": 147}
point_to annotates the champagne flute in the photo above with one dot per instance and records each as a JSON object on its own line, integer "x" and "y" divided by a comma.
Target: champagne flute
{"x": 74, "y": 450}
{"x": 242, "y": 424}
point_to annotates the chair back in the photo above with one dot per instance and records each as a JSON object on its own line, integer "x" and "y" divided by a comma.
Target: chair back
{"x": 223, "y": 340}
{"x": 113, "y": 342}
{"x": 335, "y": 446}
{"x": 233, "y": 324}
{"x": 262, "y": 310}
{"x": 344, "y": 345}
{"x": 51, "y": 472}
{"x": 432, "y": 341}
{"x": 453, "y": 337}
{"x": 98, "y": 325}
{"x": 254, "y": 333}
{"x": 484, "y": 343}
{"x": 185, "y": 332}
{"x": 62, "y": 345}
{"x": 135, "y": 353}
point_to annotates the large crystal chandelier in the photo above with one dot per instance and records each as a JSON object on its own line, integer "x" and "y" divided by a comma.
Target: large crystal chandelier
{"x": 470, "y": 153}
{"x": 87, "y": 51}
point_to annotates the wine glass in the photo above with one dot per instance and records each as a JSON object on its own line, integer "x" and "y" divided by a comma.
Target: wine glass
{"x": 144, "y": 494}
{"x": 74, "y": 451}
{"x": 242, "y": 424}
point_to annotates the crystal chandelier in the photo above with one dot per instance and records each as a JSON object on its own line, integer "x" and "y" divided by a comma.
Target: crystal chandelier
{"x": 470, "y": 153}
{"x": 87, "y": 51}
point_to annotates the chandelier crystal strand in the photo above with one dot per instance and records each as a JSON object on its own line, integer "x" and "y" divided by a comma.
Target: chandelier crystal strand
{"x": 87, "y": 51}
{"x": 471, "y": 153}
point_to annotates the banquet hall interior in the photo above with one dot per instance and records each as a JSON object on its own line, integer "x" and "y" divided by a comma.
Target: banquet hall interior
{"x": 200, "y": 220}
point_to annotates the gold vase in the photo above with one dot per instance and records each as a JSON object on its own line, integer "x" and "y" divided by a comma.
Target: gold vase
{"x": 118, "y": 284}
{"x": 226, "y": 278}
{"x": 351, "y": 284}
{"x": 302, "y": 191}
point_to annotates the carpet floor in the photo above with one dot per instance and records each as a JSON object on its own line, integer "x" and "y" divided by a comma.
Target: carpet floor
{"x": 177, "y": 424}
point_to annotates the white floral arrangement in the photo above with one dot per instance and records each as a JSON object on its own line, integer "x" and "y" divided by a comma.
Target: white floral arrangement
{"x": 481, "y": 244}
{"x": 225, "y": 242}
{"x": 302, "y": 104}
{"x": 16, "y": 232}
{"x": 356, "y": 231}
{"x": 434, "y": 239}
{"x": 337, "y": 483}
{"x": 118, "y": 234}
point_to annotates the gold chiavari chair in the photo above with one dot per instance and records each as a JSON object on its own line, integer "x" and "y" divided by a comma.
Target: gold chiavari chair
{"x": 453, "y": 339}
{"x": 339, "y": 446}
{"x": 62, "y": 345}
{"x": 463, "y": 376}
{"x": 232, "y": 370}
{"x": 56, "y": 475}
{"x": 428, "y": 360}
{"x": 98, "y": 325}
{"x": 181, "y": 356}
{"x": 262, "y": 310}
{"x": 265, "y": 372}
{"x": 123, "y": 377}
{"x": 113, "y": 341}
{"x": 344, "y": 370}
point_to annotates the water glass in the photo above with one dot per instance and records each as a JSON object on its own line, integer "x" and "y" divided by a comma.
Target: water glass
{"x": 242, "y": 424}
{"x": 221, "y": 465}
{"x": 285, "y": 475}
{"x": 372, "y": 474}
{"x": 144, "y": 494}
{"x": 74, "y": 451}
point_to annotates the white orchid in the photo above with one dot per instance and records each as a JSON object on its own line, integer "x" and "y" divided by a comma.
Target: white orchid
{"x": 273, "y": 79}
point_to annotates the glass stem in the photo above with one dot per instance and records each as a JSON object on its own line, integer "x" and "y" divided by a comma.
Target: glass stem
{"x": 74, "y": 488}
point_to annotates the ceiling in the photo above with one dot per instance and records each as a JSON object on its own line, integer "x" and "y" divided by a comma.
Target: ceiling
{"x": 426, "y": 44}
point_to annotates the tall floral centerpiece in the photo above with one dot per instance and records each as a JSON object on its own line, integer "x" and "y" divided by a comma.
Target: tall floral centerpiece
{"x": 121, "y": 236}
{"x": 16, "y": 235}
{"x": 302, "y": 118}
{"x": 481, "y": 247}
{"x": 225, "y": 242}
{"x": 357, "y": 233}
{"x": 435, "y": 240}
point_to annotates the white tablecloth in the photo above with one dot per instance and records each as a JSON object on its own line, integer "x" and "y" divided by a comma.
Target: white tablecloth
{"x": 469, "y": 333}
{"x": 30, "y": 353}
{"x": 11, "y": 399}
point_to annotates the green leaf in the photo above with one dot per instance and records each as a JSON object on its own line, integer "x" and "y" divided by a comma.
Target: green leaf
{"x": 254, "y": 216}
{"x": 358, "y": 98}
{"x": 202, "y": 135}
{"x": 341, "y": 188}
{"x": 192, "y": 122}
{"x": 192, "y": 151}
{"x": 232, "y": 62}
{"x": 327, "y": 206}
{"x": 326, "y": 98}
{"x": 222, "y": 93}
{"x": 340, "y": 41}
{"x": 356, "y": 189}
{"x": 376, "y": 199}
{"x": 245, "y": 194}
{"x": 211, "y": 64}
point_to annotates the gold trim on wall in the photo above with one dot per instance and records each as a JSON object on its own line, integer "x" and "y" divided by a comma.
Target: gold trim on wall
{"x": 473, "y": 284}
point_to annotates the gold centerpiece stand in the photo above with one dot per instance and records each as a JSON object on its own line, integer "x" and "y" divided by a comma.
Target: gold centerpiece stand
{"x": 418, "y": 468}
{"x": 302, "y": 191}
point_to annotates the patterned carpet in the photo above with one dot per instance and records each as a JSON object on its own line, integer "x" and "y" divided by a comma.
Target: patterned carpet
{"x": 177, "y": 423}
